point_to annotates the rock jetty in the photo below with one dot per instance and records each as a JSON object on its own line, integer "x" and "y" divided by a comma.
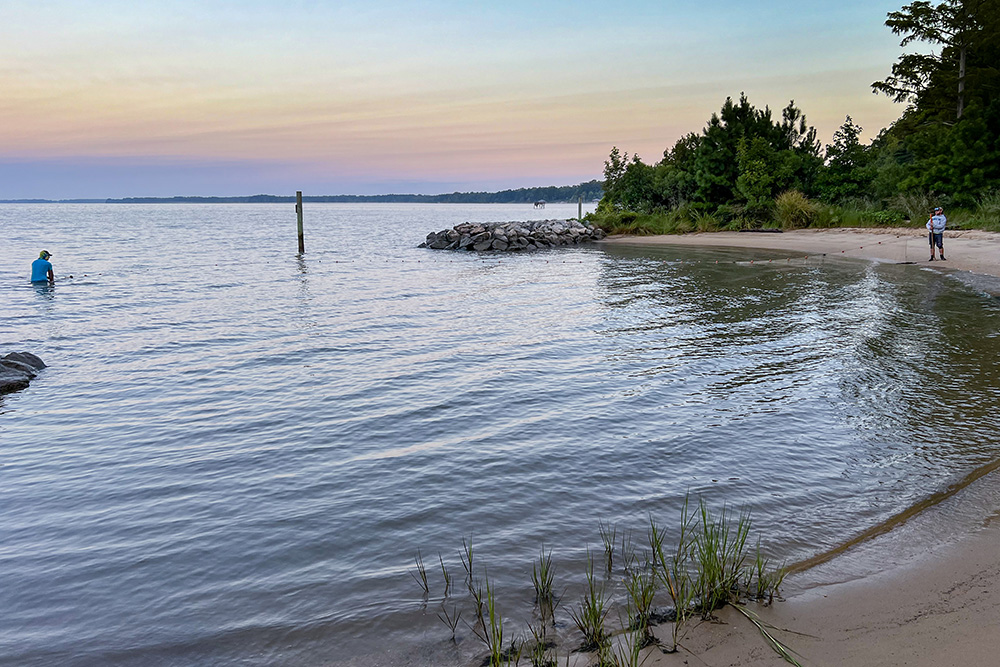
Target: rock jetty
{"x": 17, "y": 369}
{"x": 533, "y": 235}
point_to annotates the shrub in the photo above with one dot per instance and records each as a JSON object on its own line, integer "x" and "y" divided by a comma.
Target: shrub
{"x": 793, "y": 210}
{"x": 916, "y": 205}
{"x": 704, "y": 222}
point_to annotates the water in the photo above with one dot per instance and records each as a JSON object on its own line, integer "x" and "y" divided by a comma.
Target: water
{"x": 236, "y": 452}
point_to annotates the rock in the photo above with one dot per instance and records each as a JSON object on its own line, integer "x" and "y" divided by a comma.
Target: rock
{"x": 12, "y": 381}
{"x": 17, "y": 369}
{"x": 513, "y": 236}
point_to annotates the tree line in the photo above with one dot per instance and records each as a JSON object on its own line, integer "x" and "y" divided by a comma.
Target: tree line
{"x": 945, "y": 147}
{"x": 590, "y": 191}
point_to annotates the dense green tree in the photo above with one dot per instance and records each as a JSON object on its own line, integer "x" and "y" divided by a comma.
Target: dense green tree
{"x": 741, "y": 159}
{"x": 674, "y": 182}
{"x": 849, "y": 170}
{"x": 955, "y": 26}
{"x": 744, "y": 156}
{"x": 945, "y": 144}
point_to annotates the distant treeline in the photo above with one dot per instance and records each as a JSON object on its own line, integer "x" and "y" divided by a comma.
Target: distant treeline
{"x": 590, "y": 192}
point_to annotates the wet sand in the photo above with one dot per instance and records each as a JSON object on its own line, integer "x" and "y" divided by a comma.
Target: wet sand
{"x": 940, "y": 611}
{"x": 937, "y": 606}
{"x": 971, "y": 251}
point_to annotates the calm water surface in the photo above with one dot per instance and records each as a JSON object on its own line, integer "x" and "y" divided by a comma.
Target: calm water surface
{"x": 236, "y": 452}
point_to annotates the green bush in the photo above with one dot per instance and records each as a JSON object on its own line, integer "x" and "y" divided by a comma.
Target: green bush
{"x": 793, "y": 210}
{"x": 915, "y": 205}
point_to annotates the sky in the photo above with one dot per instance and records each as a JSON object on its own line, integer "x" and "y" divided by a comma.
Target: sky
{"x": 218, "y": 97}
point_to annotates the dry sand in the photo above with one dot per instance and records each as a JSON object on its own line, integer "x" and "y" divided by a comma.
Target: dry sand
{"x": 936, "y": 607}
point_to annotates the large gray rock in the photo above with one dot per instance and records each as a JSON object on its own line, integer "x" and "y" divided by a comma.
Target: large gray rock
{"x": 513, "y": 236}
{"x": 17, "y": 369}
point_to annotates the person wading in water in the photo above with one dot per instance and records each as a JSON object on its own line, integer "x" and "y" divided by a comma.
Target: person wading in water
{"x": 935, "y": 229}
{"x": 41, "y": 268}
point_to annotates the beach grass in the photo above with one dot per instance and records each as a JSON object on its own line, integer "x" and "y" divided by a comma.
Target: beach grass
{"x": 420, "y": 576}
{"x": 590, "y": 616}
{"x": 702, "y": 564}
{"x": 542, "y": 577}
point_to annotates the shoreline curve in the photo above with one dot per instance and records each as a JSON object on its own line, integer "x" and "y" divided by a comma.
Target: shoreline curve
{"x": 971, "y": 251}
{"x": 936, "y": 609}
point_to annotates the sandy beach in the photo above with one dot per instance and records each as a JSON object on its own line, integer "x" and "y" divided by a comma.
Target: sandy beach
{"x": 939, "y": 611}
{"x": 914, "y": 596}
{"x": 969, "y": 251}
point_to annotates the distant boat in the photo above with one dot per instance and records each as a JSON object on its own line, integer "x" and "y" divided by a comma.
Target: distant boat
{"x": 540, "y": 203}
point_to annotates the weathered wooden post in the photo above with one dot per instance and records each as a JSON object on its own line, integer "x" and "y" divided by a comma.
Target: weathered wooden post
{"x": 298, "y": 213}
{"x": 579, "y": 209}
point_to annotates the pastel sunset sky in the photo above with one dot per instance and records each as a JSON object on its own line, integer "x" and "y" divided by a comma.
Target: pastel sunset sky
{"x": 217, "y": 97}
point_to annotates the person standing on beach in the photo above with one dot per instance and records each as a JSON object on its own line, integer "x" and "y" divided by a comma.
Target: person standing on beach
{"x": 935, "y": 229}
{"x": 41, "y": 268}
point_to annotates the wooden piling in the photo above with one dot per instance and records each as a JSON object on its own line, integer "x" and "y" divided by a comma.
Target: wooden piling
{"x": 298, "y": 213}
{"x": 579, "y": 209}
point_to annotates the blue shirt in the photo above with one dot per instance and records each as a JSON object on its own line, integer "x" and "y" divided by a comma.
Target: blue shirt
{"x": 40, "y": 270}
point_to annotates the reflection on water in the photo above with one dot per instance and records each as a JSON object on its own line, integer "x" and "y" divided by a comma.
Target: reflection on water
{"x": 233, "y": 458}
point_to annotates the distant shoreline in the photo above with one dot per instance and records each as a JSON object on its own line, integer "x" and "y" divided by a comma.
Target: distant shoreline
{"x": 277, "y": 200}
{"x": 590, "y": 192}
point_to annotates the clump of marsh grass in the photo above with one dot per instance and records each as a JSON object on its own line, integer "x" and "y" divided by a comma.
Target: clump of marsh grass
{"x": 793, "y": 210}
{"x": 708, "y": 567}
{"x": 916, "y": 205}
{"x": 705, "y": 222}
{"x": 987, "y": 213}
{"x": 719, "y": 550}
{"x": 542, "y": 577}
{"x": 514, "y": 651}
{"x": 629, "y": 560}
{"x": 640, "y": 584}
{"x": 445, "y": 574}
{"x": 761, "y": 580}
{"x": 490, "y": 625}
{"x": 609, "y": 536}
{"x": 450, "y": 619}
{"x": 420, "y": 576}
{"x": 540, "y": 654}
{"x": 593, "y": 611}
{"x": 673, "y": 570}
{"x": 468, "y": 562}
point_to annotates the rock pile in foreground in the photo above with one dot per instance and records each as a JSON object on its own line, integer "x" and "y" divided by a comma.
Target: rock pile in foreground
{"x": 533, "y": 235}
{"x": 17, "y": 369}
